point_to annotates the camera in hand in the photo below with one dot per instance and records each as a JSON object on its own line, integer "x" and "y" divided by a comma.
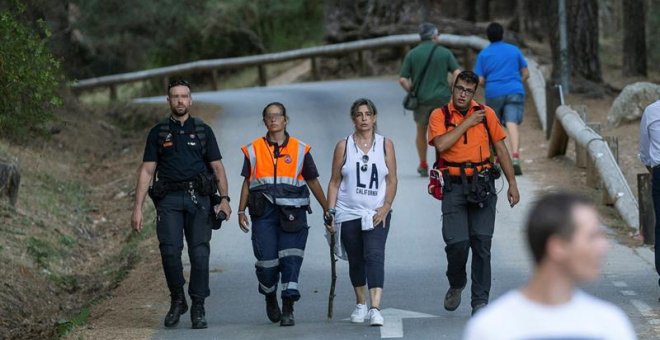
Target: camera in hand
{"x": 217, "y": 222}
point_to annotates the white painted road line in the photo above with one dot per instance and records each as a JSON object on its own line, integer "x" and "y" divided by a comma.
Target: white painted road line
{"x": 629, "y": 293}
{"x": 393, "y": 326}
{"x": 619, "y": 284}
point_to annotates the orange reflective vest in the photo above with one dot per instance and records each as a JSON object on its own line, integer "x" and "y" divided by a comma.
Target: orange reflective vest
{"x": 277, "y": 171}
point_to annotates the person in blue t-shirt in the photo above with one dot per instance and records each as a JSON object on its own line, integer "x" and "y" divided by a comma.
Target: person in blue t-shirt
{"x": 502, "y": 68}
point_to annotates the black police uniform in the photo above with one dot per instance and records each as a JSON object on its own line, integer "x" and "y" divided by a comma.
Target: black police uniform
{"x": 181, "y": 158}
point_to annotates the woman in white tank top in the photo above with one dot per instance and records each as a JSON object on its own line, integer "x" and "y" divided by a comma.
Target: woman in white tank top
{"x": 360, "y": 194}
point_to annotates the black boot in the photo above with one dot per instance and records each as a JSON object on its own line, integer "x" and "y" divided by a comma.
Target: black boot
{"x": 287, "y": 313}
{"x": 197, "y": 314}
{"x": 178, "y": 307}
{"x": 273, "y": 308}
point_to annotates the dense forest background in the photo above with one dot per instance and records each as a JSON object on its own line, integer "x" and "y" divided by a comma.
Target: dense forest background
{"x": 66, "y": 243}
{"x": 99, "y": 37}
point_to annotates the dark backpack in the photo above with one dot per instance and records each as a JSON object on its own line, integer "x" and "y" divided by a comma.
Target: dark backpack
{"x": 164, "y": 130}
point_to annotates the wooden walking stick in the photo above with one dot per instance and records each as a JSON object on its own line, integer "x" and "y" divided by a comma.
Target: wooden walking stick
{"x": 333, "y": 270}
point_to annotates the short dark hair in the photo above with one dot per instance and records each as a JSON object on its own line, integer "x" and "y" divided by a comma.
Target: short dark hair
{"x": 552, "y": 215}
{"x": 363, "y": 101}
{"x": 278, "y": 104}
{"x": 468, "y": 77}
{"x": 495, "y": 32}
{"x": 177, "y": 82}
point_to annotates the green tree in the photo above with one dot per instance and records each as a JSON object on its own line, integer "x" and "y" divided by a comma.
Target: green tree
{"x": 29, "y": 78}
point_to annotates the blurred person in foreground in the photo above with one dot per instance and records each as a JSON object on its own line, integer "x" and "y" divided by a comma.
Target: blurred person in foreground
{"x": 567, "y": 242}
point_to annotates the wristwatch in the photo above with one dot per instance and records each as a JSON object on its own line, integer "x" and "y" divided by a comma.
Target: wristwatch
{"x": 224, "y": 198}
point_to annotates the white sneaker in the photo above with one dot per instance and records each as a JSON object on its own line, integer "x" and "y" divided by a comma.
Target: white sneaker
{"x": 359, "y": 313}
{"x": 375, "y": 319}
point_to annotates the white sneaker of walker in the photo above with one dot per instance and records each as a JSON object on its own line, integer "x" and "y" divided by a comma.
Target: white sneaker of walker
{"x": 359, "y": 313}
{"x": 375, "y": 318}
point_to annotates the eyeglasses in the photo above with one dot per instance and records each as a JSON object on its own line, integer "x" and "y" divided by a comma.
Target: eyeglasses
{"x": 460, "y": 89}
{"x": 271, "y": 116}
{"x": 365, "y": 160}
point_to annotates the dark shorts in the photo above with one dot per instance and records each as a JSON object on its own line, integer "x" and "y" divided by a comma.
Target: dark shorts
{"x": 422, "y": 113}
{"x": 509, "y": 108}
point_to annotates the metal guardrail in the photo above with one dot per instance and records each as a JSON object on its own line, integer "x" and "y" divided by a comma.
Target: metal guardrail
{"x": 568, "y": 123}
{"x": 535, "y": 82}
{"x": 449, "y": 40}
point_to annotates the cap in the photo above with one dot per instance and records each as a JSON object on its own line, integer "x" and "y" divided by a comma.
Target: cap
{"x": 427, "y": 30}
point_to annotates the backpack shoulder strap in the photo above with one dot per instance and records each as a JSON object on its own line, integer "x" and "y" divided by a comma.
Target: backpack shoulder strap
{"x": 485, "y": 122}
{"x": 200, "y": 131}
{"x": 163, "y": 131}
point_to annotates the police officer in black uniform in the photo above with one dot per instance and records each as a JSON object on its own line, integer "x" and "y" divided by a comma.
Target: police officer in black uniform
{"x": 182, "y": 163}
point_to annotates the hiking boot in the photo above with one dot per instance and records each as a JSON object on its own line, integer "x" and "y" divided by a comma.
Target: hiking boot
{"x": 375, "y": 318}
{"x": 359, "y": 313}
{"x": 476, "y": 308}
{"x": 273, "y": 308}
{"x": 453, "y": 298}
{"x": 423, "y": 170}
{"x": 287, "y": 313}
{"x": 197, "y": 314}
{"x": 516, "y": 167}
{"x": 178, "y": 307}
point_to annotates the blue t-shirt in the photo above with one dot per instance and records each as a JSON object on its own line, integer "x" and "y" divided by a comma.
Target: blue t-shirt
{"x": 500, "y": 64}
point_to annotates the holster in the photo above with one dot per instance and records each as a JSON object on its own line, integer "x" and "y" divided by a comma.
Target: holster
{"x": 157, "y": 191}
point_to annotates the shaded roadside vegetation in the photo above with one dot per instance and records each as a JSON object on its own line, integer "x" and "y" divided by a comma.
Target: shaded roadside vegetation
{"x": 66, "y": 243}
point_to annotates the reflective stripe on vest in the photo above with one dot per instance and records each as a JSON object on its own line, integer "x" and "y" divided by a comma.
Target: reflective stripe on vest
{"x": 289, "y": 163}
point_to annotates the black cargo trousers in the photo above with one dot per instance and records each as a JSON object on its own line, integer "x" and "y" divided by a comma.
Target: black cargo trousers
{"x": 466, "y": 226}
{"x": 178, "y": 216}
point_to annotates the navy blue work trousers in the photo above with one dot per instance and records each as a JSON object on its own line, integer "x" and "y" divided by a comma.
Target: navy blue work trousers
{"x": 179, "y": 216}
{"x": 278, "y": 253}
{"x": 656, "y": 208}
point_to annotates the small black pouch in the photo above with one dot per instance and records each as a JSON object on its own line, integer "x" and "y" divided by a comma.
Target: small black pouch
{"x": 205, "y": 183}
{"x": 157, "y": 191}
{"x": 257, "y": 204}
{"x": 292, "y": 219}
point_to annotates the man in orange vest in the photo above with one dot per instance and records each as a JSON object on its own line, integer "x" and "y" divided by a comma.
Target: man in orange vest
{"x": 462, "y": 133}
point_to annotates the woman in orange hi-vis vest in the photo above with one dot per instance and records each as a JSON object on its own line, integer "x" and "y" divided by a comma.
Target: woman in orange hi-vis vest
{"x": 279, "y": 172}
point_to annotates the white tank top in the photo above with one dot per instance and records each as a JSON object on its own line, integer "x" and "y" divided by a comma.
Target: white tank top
{"x": 363, "y": 184}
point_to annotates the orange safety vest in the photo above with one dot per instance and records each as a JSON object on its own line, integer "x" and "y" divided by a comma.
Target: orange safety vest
{"x": 278, "y": 172}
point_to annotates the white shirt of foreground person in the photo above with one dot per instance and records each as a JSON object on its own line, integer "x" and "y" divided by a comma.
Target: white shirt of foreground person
{"x": 513, "y": 316}
{"x": 649, "y": 135}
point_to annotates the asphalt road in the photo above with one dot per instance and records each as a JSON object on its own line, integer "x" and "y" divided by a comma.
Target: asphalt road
{"x": 415, "y": 283}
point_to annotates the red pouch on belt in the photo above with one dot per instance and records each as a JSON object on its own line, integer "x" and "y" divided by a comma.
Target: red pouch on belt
{"x": 435, "y": 184}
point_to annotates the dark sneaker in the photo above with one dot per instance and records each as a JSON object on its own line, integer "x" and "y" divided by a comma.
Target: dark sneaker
{"x": 178, "y": 307}
{"x": 516, "y": 167}
{"x": 287, "y": 313}
{"x": 198, "y": 315}
{"x": 423, "y": 171}
{"x": 273, "y": 308}
{"x": 476, "y": 308}
{"x": 453, "y": 298}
